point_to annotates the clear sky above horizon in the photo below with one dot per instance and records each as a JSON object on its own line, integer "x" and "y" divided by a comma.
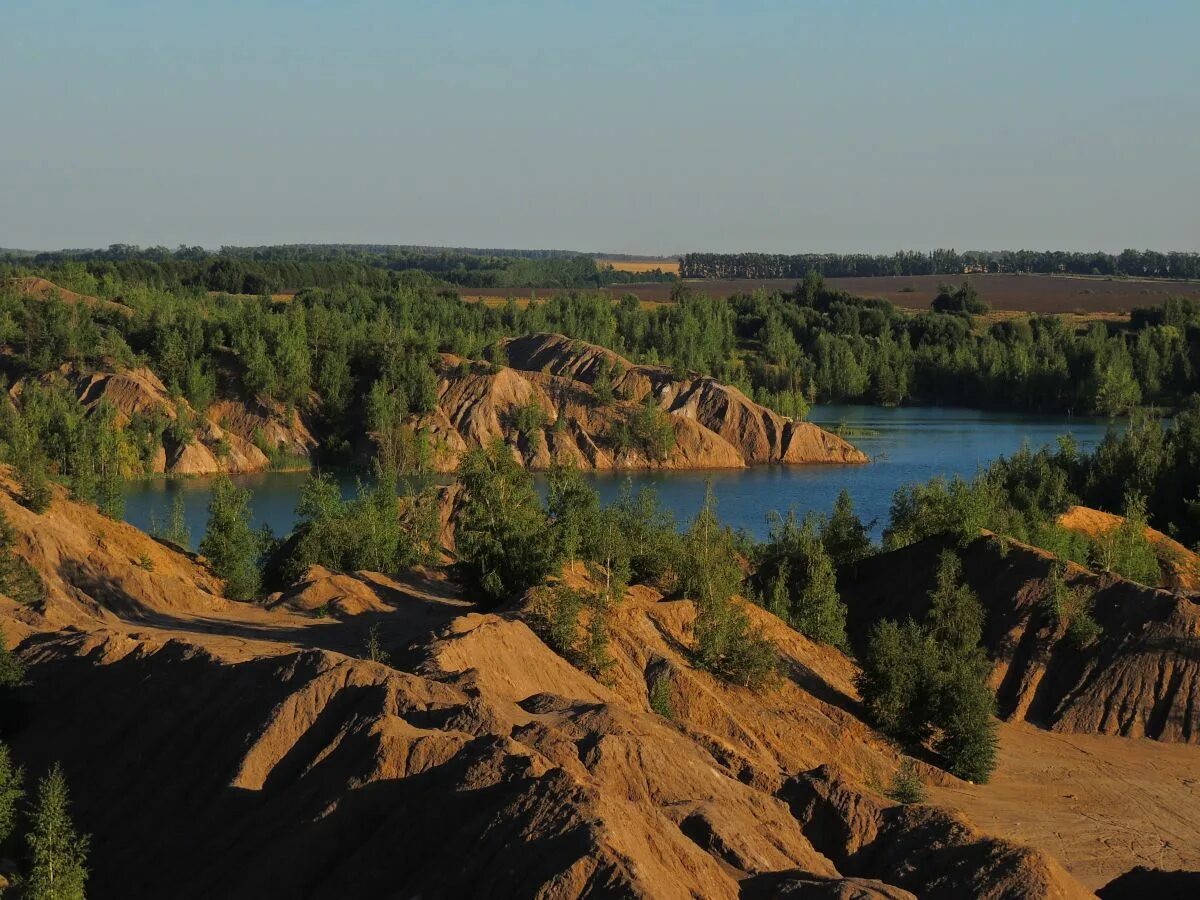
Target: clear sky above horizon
{"x": 627, "y": 127}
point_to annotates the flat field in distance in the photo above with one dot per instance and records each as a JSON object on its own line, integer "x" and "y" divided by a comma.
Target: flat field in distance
{"x": 640, "y": 265}
{"x": 1082, "y": 295}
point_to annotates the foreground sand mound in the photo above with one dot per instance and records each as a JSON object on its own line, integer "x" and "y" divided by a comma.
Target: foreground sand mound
{"x": 715, "y": 425}
{"x": 1140, "y": 678}
{"x": 1180, "y": 566}
{"x": 220, "y": 749}
{"x": 314, "y": 774}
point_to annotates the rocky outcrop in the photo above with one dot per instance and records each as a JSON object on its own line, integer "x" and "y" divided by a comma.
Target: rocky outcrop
{"x": 139, "y": 391}
{"x": 715, "y": 426}
{"x": 268, "y": 424}
{"x": 1140, "y": 678}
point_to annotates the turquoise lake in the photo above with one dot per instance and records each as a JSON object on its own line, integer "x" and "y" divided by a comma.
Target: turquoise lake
{"x": 908, "y": 445}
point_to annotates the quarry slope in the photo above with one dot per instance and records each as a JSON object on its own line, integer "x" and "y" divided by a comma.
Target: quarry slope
{"x": 715, "y": 425}
{"x": 237, "y": 750}
{"x": 1140, "y": 678}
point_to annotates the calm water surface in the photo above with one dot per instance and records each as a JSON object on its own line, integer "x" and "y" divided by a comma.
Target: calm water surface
{"x": 908, "y": 445}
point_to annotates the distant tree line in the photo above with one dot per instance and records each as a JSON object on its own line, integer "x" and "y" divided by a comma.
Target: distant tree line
{"x": 1133, "y": 263}
{"x": 266, "y": 270}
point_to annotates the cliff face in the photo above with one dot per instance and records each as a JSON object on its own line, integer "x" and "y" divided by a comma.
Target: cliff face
{"x": 223, "y": 749}
{"x": 715, "y": 426}
{"x": 1140, "y": 678}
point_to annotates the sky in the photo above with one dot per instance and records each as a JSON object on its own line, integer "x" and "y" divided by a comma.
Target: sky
{"x": 648, "y": 127}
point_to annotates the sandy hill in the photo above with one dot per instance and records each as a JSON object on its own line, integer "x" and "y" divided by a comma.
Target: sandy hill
{"x": 41, "y": 289}
{"x": 715, "y": 425}
{"x": 1141, "y": 678}
{"x": 222, "y": 749}
{"x": 1180, "y": 566}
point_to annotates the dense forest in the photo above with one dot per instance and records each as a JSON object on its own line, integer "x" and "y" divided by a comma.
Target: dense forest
{"x": 268, "y": 270}
{"x": 367, "y": 349}
{"x": 1132, "y": 263}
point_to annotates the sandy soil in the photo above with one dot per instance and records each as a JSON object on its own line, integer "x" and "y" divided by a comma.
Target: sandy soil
{"x": 640, "y": 265}
{"x": 1098, "y": 803}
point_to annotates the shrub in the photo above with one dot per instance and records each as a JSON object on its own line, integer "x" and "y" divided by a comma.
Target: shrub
{"x": 659, "y": 695}
{"x": 529, "y": 419}
{"x": 1072, "y": 607}
{"x": 375, "y": 530}
{"x": 649, "y": 429}
{"x": 12, "y": 670}
{"x": 374, "y": 647}
{"x": 906, "y": 786}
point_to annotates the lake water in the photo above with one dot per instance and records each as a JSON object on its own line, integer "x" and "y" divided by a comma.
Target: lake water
{"x": 908, "y": 445}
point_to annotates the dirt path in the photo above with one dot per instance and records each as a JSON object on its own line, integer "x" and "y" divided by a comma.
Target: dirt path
{"x": 1101, "y": 804}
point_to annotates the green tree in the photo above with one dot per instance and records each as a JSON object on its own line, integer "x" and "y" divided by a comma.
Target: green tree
{"x": 898, "y": 681}
{"x": 18, "y": 579}
{"x": 12, "y": 670}
{"x": 818, "y": 611}
{"x": 503, "y": 534}
{"x": 58, "y": 856}
{"x": 231, "y": 546}
{"x": 967, "y": 718}
{"x": 177, "y": 530}
{"x": 726, "y": 643}
{"x": 798, "y": 574}
{"x": 843, "y": 533}
{"x": 574, "y": 509}
{"x": 12, "y": 792}
{"x": 29, "y": 464}
{"x": 923, "y": 679}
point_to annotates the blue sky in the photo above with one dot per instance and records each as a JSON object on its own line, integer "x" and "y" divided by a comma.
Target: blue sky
{"x": 632, "y": 127}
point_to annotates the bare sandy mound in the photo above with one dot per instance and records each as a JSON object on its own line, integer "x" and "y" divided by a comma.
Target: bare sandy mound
{"x": 41, "y": 289}
{"x": 715, "y": 425}
{"x": 1140, "y": 678}
{"x": 1180, "y": 566}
